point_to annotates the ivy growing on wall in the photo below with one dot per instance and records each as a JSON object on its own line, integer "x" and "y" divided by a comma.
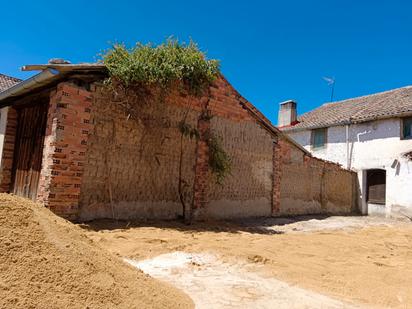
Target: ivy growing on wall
{"x": 219, "y": 161}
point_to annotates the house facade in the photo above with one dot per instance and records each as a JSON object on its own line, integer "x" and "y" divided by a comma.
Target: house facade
{"x": 73, "y": 146}
{"x": 371, "y": 135}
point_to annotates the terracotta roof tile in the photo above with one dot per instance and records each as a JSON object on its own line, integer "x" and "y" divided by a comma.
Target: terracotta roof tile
{"x": 392, "y": 103}
{"x": 7, "y": 82}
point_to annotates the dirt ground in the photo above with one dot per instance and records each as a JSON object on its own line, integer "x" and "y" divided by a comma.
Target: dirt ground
{"x": 362, "y": 261}
{"x": 47, "y": 262}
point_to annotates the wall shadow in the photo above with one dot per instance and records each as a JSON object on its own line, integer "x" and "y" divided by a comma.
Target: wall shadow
{"x": 265, "y": 226}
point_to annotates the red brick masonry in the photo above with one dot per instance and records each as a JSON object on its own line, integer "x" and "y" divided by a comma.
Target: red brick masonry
{"x": 65, "y": 146}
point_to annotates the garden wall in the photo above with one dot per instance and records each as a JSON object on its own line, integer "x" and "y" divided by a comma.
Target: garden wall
{"x": 313, "y": 186}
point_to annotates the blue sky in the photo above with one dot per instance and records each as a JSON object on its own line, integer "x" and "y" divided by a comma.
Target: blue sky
{"x": 270, "y": 51}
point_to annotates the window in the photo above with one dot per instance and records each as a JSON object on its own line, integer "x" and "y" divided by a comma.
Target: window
{"x": 318, "y": 138}
{"x": 407, "y": 128}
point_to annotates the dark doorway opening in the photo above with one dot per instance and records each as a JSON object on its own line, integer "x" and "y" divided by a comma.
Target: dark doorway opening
{"x": 376, "y": 186}
{"x": 28, "y": 149}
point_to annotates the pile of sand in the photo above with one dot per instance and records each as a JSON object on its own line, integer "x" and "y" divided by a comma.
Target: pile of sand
{"x": 47, "y": 262}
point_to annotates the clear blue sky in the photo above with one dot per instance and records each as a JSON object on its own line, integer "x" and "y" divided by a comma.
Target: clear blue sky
{"x": 269, "y": 50}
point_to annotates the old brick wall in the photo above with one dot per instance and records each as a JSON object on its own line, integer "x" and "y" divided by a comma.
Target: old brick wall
{"x": 65, "y": 144}
{"x": 131, "y": 168}
{"x": 313, "y": 186}
{"x": 101, "y": 160}
{"x": 132, "y": 162}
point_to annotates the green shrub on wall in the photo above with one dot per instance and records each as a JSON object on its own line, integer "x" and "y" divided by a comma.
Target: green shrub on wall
{"x": 165, "y": 65}
{"x": 162, "y": 65}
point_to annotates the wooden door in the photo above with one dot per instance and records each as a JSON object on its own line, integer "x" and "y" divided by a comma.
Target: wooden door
{"x": 376, "y": 186}
{"x": 28, "y": 151}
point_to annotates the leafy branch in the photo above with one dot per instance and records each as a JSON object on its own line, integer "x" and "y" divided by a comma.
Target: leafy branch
{"x": 187, "y": 130}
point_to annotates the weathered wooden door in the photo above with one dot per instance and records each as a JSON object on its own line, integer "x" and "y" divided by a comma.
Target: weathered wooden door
{"x": 376, "y": 186}
{"x": 28, "y": 151}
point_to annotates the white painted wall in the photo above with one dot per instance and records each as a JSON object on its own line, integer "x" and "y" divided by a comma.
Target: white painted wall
{"x": 375, "y": 144}
{"x": 3, "y": 122}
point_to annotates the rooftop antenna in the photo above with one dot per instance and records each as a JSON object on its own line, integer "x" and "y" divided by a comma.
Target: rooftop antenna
{"x": 331, "y": 82}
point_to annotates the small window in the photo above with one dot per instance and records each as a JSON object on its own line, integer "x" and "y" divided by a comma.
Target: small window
{"x": 318, "y": 138}
{"x": 407, "y": 128}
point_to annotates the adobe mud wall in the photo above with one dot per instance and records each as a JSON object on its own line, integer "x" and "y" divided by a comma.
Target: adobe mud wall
{"x": 248, "y": 190}
{"x": 132, "y": 166}
{"x": 313, "y": 186}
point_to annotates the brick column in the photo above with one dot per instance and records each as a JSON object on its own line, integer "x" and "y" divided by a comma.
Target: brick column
{"x": 201, "y": 169}
{"x": 8, "y": 150}
{"x": 276, "y": 178}
{"x": 65, "y": 146}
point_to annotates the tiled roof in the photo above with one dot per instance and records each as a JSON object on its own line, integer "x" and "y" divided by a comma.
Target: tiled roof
{"x": 392, "y": 103}
{"x": 7, "y": 82}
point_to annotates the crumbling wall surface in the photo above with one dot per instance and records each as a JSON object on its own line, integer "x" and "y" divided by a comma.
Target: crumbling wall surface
{"x": 247, "y": 191}
{"x": 313, "y": 186}
{"x": 341, "y": 187}
{"x": 132, "y": 163}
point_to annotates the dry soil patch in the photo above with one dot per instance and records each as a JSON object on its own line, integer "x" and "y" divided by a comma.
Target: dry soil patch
{"x": 364, "y": 261}
{"x": 212, "y": 283}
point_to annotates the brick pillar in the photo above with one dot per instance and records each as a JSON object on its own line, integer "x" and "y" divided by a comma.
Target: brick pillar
{"x": 65, "y": 146}
{"x": 276, "y": 179}
{"x": 201, "y": 169}
{"x": 8, "y": 150}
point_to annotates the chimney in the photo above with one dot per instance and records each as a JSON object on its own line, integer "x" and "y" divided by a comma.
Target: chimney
{"x": 58, "y": 61}
{"x": 287, "y": 113}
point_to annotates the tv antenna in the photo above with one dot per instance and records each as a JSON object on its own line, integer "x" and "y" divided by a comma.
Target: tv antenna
{"x": 331, "y": 82}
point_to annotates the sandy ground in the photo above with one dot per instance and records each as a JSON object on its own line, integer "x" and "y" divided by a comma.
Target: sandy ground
{"x": 47, "y": 262}
{"x": 212, "y": 283}
{"x": 361, "y": 261}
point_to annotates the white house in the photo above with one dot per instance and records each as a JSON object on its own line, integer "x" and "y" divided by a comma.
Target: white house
{"x": 371, "y": 135}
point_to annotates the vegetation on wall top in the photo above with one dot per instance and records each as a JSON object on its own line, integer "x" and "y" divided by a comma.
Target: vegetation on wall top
{"x": 146, "y": 65}
{"x": 161, "y": 65}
